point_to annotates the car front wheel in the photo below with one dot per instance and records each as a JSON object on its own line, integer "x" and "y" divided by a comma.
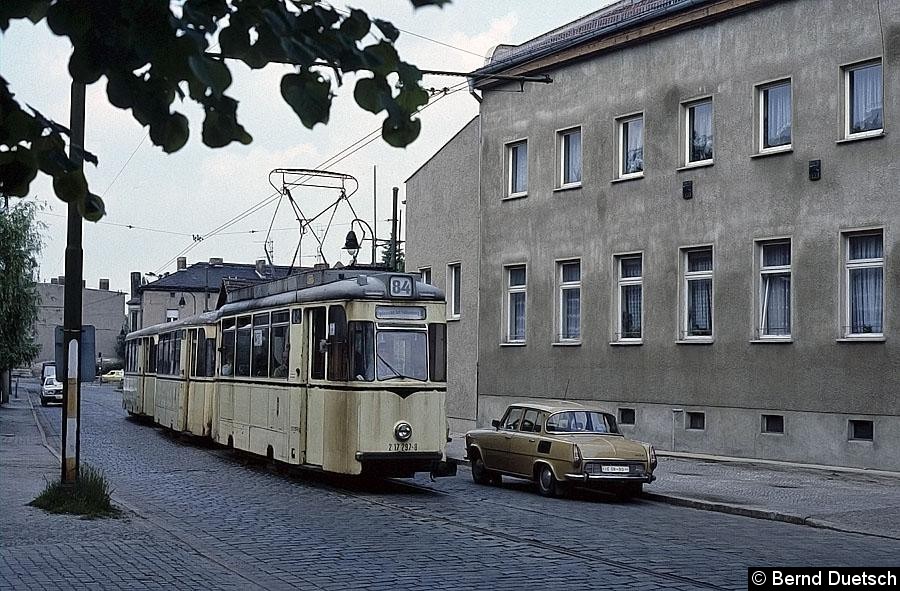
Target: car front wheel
{"x": 547, "y": 483}
{"x": 480, "y": 473}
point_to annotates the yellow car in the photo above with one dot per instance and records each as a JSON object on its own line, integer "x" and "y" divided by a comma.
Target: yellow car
{"x": 113, "y": 376}
{"x": 557, "y": 444}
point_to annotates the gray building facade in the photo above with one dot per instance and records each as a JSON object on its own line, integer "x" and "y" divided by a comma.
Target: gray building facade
{"x": 694, "y": 226}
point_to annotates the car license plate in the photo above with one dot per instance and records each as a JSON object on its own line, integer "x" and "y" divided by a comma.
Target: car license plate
{"x": 617, "y": 469}
{"x": 403, "y": 446}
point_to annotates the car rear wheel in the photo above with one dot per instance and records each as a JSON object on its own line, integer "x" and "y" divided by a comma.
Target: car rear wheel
{"x": 547, "y": 483}
{"x": 480, "y": 473}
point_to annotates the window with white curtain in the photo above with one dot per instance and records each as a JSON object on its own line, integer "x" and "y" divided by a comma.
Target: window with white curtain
{"x": 775, "y": 116}
{"x": 629, "y": 271}
{"x": 863, "y": 99}
{"x": 569, "y": 300}
{"x": 518, "y": 168}
{"x": 699, "y": 132}
{"x": 515, "y": 299}
{"x": 775, "y": 289}
{"x": 698, "y": 293}
{"x": 570, "y": 157}
{"x": 864, "y": 279}
{"x": 631, "y": 147}
{"x": 454, "y": 293}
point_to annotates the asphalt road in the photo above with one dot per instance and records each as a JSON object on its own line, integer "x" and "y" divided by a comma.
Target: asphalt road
{"x": 211, "y": 518}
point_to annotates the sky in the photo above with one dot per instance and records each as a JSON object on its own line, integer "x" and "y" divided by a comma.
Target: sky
{"x": 170, "y": 198}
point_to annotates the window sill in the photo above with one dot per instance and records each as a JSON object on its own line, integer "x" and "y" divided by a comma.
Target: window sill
{"x": 566, "y": 344}
{"x": 453, "y": 319}
{"x": 626, "y": 343}
{"x": 625, "y": 179}
{"x": 861, "y": 137}
{"x": 772, "y": 341}
{"x": 693, "y": 165}
{"x": 512, "y": 344}
{"x": 569, "y": 187}
{"x": 773, "y": 152}
{"x": 703, "y": 341}
{"x": 513, "y": 196}
{"x": 862, "y": 339}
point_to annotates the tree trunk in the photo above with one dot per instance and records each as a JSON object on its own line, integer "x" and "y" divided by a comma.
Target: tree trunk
{"x": 5, "y": 385}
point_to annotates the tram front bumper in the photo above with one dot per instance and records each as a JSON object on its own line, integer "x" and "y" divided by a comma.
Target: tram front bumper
{"x": 404, "y": 464}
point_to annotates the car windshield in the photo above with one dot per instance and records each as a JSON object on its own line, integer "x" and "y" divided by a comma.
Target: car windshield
{"x": 582, "y": 421}
{"x": 50, "y": 382}
{"x": 402, "y": 354}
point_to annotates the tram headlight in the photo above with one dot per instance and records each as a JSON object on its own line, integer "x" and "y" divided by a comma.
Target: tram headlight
{"x": 402, "y": 431}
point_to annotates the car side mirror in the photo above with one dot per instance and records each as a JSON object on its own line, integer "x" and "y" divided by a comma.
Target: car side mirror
{"x": 496, "y": 423}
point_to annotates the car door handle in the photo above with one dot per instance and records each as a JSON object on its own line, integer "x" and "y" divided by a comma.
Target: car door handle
{"x": 531, "y": 440}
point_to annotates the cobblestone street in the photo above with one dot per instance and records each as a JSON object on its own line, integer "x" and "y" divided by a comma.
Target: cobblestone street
{"x": 198, "y": 516}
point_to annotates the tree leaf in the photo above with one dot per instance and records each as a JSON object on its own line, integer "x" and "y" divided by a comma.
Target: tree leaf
{"x": 70, "y": 186}
{"x": 213, "y": 73}
{"x": 370, "y": 93}
{"x": 92, "y": 208}
{"x": 400, "y": 132}
{"x": 356, "y": 25}
{"x": 309, "y": 95}
{"x": 387, "y": 29}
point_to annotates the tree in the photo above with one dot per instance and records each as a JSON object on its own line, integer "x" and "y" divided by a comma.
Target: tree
{"x": 20, "y": 244}
{"x": 386, "y": 257}
{"x": 154, "y": 51}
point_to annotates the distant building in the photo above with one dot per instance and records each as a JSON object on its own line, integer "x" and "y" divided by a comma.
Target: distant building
{"x": 696, "y": 225}
{"x": 102, "y": 308}
{"x": 190, "y": 289}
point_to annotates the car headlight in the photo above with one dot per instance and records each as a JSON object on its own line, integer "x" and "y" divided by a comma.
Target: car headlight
{"x": 402, "y": 431}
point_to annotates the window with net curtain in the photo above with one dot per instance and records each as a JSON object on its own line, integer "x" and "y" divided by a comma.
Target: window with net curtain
{"x": 775, "y": 290}
{"x": 776, "y": 115}
{"x": 698, "y": 293}
{"x": 865, "y": 99}
{"x": 865, "y": 284}
{"x": 630, "y": 296}
{"x": 570, "y": 144}
{"x": 632, "y": 138}
{"x": 516, "y": 304}
{"x": 570, "y": 300}
{"x": 700, "y": 132}
{"x": 518, "y": 168}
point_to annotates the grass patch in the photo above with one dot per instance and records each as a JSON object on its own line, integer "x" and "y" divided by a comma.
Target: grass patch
{"x": 90, "y": 498}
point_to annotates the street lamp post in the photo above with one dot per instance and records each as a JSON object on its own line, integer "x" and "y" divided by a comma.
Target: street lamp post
{"x": 181, "y": 302}
{"x": 351, "y": 244}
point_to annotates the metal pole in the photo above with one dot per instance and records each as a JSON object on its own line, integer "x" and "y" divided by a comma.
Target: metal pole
{"x": 374, "y": 210}
{"x": 71, "y": 412}
{"x": 394, "y": 233}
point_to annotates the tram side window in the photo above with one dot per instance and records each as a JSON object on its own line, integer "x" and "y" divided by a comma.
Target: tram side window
{"x": 151, "y": 358}
{"x": 210, "y": 357}
{"x": 242, "y": 350}
{"x": 281, "y": 345}
{"x": 228, "y": 347}
{"x": 192, "y": 351}
{"x": 317, "y": 346}
{"x": 260, "y": 368}
{"x": 176, "y": 357}
{"x": 163, "y": 354}
{"x": 337, "y": 328}
{"x": 362, "y": 350}
{"x": 437, "y": 351}
{"x": 198, "y": 348}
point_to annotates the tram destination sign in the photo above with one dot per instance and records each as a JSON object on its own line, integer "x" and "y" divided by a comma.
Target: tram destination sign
{"x": 400, "y": 312}
{"x": 401, "y": 286}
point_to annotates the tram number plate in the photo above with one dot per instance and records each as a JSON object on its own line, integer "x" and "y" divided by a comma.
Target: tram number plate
{"x": 403, "y": 446}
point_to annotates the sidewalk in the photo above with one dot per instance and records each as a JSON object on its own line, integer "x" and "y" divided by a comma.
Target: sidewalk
{"x": 835, "y": 498}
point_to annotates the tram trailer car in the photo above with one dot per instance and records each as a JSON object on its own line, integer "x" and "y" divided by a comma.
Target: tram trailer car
{"x": 342, "y": 370}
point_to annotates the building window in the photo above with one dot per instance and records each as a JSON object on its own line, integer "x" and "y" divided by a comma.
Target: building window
{"x": 515, "y": 309}
{"x": 631, "y": 147}
{"x": 773, "y": 424}
{"x": 569, "y": 300}
{"x": 134, "y": 321}
{"x": 862, "y": 430}
{"x": 518, "y": 168}
{"x": 171, "y": 314}
{"x": 696, "y": 421}
{"x": 570, "y": 157}
{"x": 626, "y": 416}
{"x": 775, "y": 116}
{"x": 863, "y": 100}
{"x": 699, "y": 132}
{"x": 698, "y": 293}
{"x": 425, "y": 275}
{"x": 630, "y": 296}
{"x": 775, "y": 289}
{"x": 864, "y": 281}
{"x": 454, "y": 303}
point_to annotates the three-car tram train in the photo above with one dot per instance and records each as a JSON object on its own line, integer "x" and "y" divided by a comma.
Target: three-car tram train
{"x": 342, "y": 370}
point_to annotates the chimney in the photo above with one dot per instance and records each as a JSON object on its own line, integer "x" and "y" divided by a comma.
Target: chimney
{"x": 62, "y": 279}
{"x": 54, "y": 281}
{"x": 182, "y": 263}
{"x": 104, "y": 284}
{"x": 216, "y": 261}
{"x": 261, "y": 267}
{"x": 135, "y": 283}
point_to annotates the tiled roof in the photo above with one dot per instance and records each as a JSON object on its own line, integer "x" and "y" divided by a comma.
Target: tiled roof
{"x": 204, "y": 276}
{"x": 615, "y": 17}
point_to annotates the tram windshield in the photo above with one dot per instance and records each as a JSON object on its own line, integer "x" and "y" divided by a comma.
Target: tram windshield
{"x": 402, "y": 354}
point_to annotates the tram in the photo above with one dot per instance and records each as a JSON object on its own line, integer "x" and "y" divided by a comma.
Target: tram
{"x": 342, "y": 370}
